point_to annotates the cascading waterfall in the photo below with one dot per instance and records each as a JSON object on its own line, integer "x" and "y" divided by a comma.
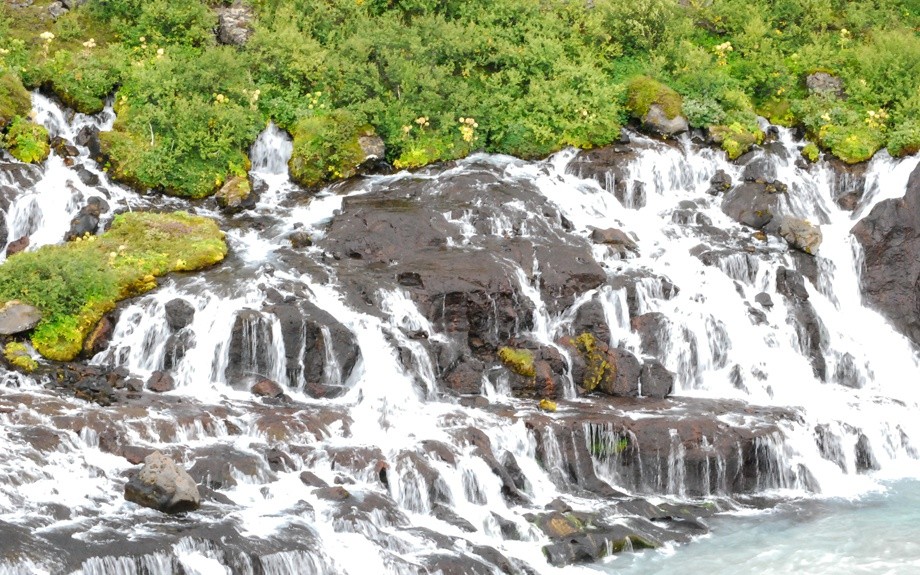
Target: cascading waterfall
{"x": 432, "y": 477}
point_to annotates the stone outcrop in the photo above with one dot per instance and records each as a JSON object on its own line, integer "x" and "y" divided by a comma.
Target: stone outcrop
{"x": 890, "y": 238}
{"x": 17, "y": 317}
{"x": 162, "y": 485}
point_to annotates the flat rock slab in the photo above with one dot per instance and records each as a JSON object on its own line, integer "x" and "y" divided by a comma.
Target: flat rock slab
{"x": 17, "y": 317}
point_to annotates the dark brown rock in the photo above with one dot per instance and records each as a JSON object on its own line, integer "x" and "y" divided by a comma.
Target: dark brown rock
{"x": 160, "y": 382}
{"x": 267, "y": 388}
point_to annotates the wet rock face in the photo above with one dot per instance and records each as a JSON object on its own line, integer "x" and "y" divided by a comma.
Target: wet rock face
{"x": 415, "y": 236}
{"x": 609, "y": 167}
{"x": 179, "y": 313}
{"x": 751, "y": 203}
{"x": 163, "y": 485}
{"x": 890, "y": 238}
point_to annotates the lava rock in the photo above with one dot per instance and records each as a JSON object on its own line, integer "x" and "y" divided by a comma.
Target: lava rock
{"x": 720, "y": 182}
{"x": 267, "y": 388}
{"x": 17, "y": 246}
{"x": 655, "y": 120}
{"x": 801, "y": 234}
{"x": 163, "y": 485}
{"x": 179, "y": 313}
{"x": 656, "y": 380}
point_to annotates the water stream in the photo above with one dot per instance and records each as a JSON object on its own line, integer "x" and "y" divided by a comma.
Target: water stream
{"x": 400, "y": 445}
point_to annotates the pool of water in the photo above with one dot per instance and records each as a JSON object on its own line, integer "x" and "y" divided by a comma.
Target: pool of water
{"x": 876, "y": 534}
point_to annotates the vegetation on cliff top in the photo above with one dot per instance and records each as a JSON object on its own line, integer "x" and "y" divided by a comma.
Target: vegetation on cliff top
{"x": 74, "y": 284}
{"x": 514, "y": 76}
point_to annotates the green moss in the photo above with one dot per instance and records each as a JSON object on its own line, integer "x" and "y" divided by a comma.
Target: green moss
{"x": 852, "y": 143}
{"x": 74, "y": 284}
{"x": 778, "y": 112}
{"x": 597, "y": 368}
{"x": 520, "y": 361}
{"x": 14, "y": 99}
{"x": 325, "y": 148}
{"x": 811, "y": 152}
{"x": 27, "y": 141}
{"x": 18, "y": 356}
{"x": 643, "y": 91}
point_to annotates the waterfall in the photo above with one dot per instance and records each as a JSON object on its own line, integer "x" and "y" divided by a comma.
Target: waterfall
{"x": 371, "y": 457}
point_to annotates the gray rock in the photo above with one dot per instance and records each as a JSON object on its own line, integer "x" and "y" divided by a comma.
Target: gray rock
{"x": 372, "y": 146}
{"x": 179, "y": 313}
{"x": 801, "y": 234}
{"x": 234, "y": 25}
{"x": 17, "y": 317}
{"x": 161, "y": 382}
{"x": 764, "y": 299}
{"x": 71, "y": 4}
{"x": 657, "y": 121}
{"x": 56, "y": 9}
{"x": 656, "y": 380}
{"x": 824, "y": 83}
{"x": 163, "y": 485}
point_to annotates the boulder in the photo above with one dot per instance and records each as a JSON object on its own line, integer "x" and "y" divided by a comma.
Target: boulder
{"x": 163, "y": 485}
{"x": 236, "y": 195}
{"x": 300, "y": 239}
{"x": 822, "y": 83}
{"x": 890, "y": 238}
{"x": 752, "y": 204}
{"x": 17, "y": 246}
{"x": 234, "y": 25}
{"x": 160, "y": 382}
{"x": 56, "y": 10}
{"x": 267, "y": 388}
{"x": 179, "y": 313}
{"x": 17, "y": 317}
{"x": 657, "y": 121}
{"x": 656, "y": 380}
{"x": 801, "y": 234}
{"x": 720, "y": 182}
{"x": 372, "y": 147}
{"x": 617, "y": 239}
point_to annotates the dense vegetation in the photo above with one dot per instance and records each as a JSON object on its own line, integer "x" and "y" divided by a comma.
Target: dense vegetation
{"x": 74, "y": 284}
{"x": 438, "y": 79}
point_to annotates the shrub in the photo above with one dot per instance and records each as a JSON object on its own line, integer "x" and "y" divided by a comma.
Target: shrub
{"x": 811, "y": 152}
{"x": 326, "y": 147}
{"x": 14, "y": 99}
{"x": 27, "y": 141}
{"x": 18, "y": 356}
{"x": 74, "y": 284}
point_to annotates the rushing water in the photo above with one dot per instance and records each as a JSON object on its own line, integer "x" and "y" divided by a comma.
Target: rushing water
{"x": 392, "y": 417}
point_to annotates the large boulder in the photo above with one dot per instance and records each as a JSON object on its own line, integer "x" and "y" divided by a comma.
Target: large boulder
{"x": 801, "y": 234}
{"x": 161, "y": 484}
{"x": 179, "y": 313}
{"x": 822, "y": 83}
{"x": 753, "y": 203}
{"x": 17, "y": 317}
{"x": 657, "y": 121}
{"x": 890, "y": 238}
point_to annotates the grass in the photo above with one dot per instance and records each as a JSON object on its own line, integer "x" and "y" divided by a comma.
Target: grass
{"x": 76, "y": 283}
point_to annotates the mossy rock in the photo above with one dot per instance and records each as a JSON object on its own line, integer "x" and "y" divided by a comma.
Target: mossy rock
{"x": 852, "y": 144}
{"x": 598, "y": 368}
{"x": 14, "y": 99}
{"x": 17, "y": 354}
{"x": 735, "y": 139}
{"x": 643, "y": 92}
{"x": 811, "y": 152}
{"x": 520, "y": 361}
{"x": 234, "y": 192}
{"x": 326, "y": 148}
{"x": 76, "y": 283}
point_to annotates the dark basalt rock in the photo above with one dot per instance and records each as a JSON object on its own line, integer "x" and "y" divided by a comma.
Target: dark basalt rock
{"x": 890, "y": 238}
{"x": 179, "y": 313}
{"x": 163, "y": 485}
{"x": 656, "y": 380}
{"x": 752, "y": 204}
{"x": 160, "y": 382}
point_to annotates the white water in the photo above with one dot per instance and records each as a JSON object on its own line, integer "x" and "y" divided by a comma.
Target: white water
{"x": 391, "y": 410}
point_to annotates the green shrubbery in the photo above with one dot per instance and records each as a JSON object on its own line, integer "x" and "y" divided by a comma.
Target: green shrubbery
{"x": 26, "y": 141}
{"x": 74, "y": 284}
{"x": 511, "y": 76}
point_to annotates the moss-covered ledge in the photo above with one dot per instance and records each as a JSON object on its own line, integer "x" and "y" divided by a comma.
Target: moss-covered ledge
{"x": 76, "y": 283}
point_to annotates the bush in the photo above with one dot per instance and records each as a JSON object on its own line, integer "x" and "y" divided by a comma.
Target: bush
{"x": 14, "y": 99}
{"x": 27, "y": 141}
{"x": 74, "y": 284}
{"x": 325, "y": 148}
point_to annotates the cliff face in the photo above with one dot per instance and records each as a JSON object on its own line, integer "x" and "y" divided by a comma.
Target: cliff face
{"x": 890, "y": 237}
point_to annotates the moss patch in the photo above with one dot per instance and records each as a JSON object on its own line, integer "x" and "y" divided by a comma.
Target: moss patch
{"x": 736, "y": 138}
{"x": 597, "y": 368}
{"x": 18, "y": 356}
{"x": 520, "y": 361}
{"x": 74, "y": 284}
{"x": 643, "y": 91}
{"x": 811, "y": 152}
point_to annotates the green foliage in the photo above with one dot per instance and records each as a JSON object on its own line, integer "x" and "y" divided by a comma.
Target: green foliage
{"x": 17, "y": 354}
{"x": 81, "y": 79}
{"x": 643, "y": 92}
{"x": 811, "y": 152}
{"x": 520, "y": 361}
{"x": 26, "y": 141}
{"x": 74, "y": 284}
{"x": 905, "y": 139}
{"x": 185, "y": 117}
{"x": 14, "y": 99}
{"x": 325, "y": 148}
{"x": 597, "y": 368}
{"x": 839, "y": 127}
